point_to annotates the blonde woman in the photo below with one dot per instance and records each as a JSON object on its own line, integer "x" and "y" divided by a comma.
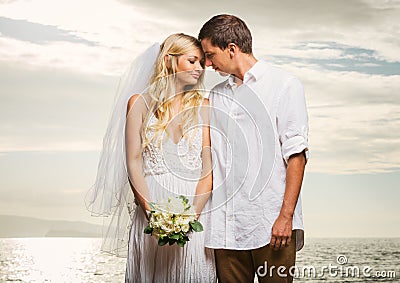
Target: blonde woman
{"x": 167, "y": 140}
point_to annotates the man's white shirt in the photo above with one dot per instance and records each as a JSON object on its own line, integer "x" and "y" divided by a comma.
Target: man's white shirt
{"x": 255, "y": 128}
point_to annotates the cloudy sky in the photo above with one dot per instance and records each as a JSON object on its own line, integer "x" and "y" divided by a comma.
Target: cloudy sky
{"x": 59, "y": 67}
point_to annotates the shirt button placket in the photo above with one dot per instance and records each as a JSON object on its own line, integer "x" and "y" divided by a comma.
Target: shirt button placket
{"x": 230, "y": 173}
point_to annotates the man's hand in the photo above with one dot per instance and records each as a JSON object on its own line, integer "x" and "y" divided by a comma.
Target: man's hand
{"x": 281, "y": 232}
{"x": 282, "y": 229}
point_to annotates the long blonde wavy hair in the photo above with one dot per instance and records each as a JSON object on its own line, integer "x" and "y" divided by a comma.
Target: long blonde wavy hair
{"x": 163, "y": 88}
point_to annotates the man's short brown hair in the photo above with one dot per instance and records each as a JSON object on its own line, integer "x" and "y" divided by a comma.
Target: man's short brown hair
{"x": 225, "y": 29}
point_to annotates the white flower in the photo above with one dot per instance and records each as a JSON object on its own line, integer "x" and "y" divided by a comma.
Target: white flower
{"x": 177, "y": 229}
{"x": 166, "y": 217}
{"x": 154, "y": 224}
{"x": 172, "y": 216}
{"x": 185, "y": 228}
{"x": 166, "y": 228}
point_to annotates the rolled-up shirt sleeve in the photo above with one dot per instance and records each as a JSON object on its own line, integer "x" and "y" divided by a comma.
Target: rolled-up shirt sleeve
{"x": 292, "y": 120}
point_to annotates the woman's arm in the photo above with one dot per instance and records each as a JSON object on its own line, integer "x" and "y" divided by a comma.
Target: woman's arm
{"x": 136, "y": 110}
{"x": 204, "y": 186}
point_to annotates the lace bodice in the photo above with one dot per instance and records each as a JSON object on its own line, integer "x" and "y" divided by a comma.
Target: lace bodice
{"x": 182, "y": 159}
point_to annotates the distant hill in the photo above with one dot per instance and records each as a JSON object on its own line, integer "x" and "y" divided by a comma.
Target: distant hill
{"x": 20, "y": 227}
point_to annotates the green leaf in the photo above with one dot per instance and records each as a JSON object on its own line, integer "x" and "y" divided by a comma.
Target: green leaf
{"x": 171, "y": 241}
{"x": 174, "y": 236}
{"x": 163, "y": 241}
{"x": 181, "y": 243}
{"x": 185, "y": 199}
{"x": 196, "y": 226}
{"x": 148, "y": 230}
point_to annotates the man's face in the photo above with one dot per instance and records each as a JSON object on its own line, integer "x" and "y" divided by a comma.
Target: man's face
{"x": 216, "y": 57}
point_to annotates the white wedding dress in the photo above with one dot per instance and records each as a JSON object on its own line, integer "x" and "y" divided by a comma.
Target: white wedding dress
{"x": 170, "y": 170}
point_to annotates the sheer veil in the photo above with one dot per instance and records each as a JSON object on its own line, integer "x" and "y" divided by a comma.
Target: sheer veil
{"x": 110, "y": 195}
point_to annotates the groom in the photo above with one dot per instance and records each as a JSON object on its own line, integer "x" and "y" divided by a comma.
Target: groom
{"x": 260, "y": 148}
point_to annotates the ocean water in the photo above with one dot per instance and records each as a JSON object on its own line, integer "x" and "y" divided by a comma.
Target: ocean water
{"x": 349, "y": 260}
{"x": 80, "y": 260}
{"x": 58, "y": 260}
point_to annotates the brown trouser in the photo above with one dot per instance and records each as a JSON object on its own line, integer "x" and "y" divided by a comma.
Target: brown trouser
{"x": 268, "y": 264}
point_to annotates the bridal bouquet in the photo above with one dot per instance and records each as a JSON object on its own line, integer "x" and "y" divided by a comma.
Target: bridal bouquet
{"x": 172, "y": 220}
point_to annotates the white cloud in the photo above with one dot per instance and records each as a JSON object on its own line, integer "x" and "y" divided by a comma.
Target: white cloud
{"x": 101, "y": 21}
{"x": 63, "y": 55}
{"x": 359, "y": 24}
{"x": 47, "y": 109}
{"x": 121, "y": 31}
{"x": 306, "y": 53}
{"x": 123, "y": 28}
{"x": 353, "y": 120}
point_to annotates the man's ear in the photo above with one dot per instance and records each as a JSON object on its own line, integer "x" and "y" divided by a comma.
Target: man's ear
{"x": 232, "y": 49}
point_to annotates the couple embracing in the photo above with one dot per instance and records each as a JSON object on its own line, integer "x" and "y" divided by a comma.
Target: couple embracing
{"x": 238, "y": 157}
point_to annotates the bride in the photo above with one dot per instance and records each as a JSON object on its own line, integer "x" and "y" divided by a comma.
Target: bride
{"x": 167, "y": 154}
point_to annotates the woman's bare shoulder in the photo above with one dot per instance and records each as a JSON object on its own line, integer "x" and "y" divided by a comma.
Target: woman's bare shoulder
{"x": 136, "y": 101}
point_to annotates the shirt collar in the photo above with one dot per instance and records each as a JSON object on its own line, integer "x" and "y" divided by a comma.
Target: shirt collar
{"x": 231, "y": 81}
{"x": 254, "y": 73}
